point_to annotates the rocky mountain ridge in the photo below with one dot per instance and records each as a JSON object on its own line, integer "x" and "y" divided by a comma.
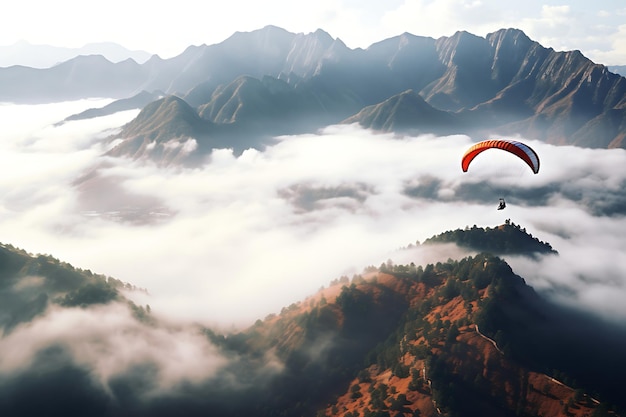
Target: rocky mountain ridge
{"x": 270, "y": 82}
{"x": 504, "y": 83}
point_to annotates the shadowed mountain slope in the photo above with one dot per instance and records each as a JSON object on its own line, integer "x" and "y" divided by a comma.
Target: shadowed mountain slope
{"x": 408, "y": 113}
{"x": 137, "y": 101}
{"x": 504, "y": 84}
{"x": 167, "y": 130}
{"x": 31, "y": 284}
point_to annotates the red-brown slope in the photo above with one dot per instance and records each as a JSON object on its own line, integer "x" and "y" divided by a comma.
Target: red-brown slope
{"x": 481, "y": 369}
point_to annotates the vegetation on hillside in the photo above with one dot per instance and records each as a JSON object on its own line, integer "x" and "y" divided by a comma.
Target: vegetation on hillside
{"x": 508, "y": 238}
{"x": 29, "y": 284}
{"x": 436, "y": 350}
{"x": 463, "y": 337}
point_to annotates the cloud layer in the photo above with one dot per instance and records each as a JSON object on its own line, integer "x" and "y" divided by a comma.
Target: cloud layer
{"x": 109, "y": 342}
{"x": 240, "y": 238}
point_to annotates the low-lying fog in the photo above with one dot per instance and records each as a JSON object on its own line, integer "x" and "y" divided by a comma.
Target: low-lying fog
{"x": 242, "y": 237}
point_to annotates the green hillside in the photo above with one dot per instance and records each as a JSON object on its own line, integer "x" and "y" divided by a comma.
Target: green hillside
{"x": 508, "y": 238}
{"x": 29, "y": 284}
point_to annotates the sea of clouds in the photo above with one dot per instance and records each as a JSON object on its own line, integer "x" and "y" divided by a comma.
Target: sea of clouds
{"x": 239, "y": 238}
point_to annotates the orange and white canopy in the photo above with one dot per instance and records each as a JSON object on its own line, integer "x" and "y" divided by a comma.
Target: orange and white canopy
{"x": 521, "y": 150}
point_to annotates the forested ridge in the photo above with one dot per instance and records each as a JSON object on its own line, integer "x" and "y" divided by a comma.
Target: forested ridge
{"x": 508, "y": 238}
{"x": 465, "y": 337}
{"x": 29, "y": 284}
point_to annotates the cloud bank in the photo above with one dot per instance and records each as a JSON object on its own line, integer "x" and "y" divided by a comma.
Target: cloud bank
{"x": 109, "y": 342}
{"x": 242, "y": 237}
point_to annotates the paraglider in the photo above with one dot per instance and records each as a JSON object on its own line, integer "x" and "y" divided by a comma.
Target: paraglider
{"x": 519, "y": 149}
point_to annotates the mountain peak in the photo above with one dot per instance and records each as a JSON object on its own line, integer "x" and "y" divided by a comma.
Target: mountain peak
{"x": 407, "y": 111}
{"x": 464, "y": 36}
{"x": 320, "y": 33}
{"x": 167, "y": 130}
{"x": 507, "y": 238}
{"x": 269, "y": 32}
{"x": 509, "y": 32}
{"x": 504, "y": 83}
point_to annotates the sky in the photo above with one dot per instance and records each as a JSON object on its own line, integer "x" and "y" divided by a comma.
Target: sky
{"x": 596, "y": 28}
{"x": 242, "y": 237}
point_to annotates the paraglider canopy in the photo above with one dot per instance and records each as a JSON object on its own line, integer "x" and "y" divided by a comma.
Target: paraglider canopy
{"x": 519, "y": 149}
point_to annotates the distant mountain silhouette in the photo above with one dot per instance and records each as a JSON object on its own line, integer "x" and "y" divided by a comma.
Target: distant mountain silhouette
{"x": 618, "y": 69}
{"x": 136, "y": 102}
{"x": 86, "y": 76}
{"x": 269, "y": 105}
{"x": 466, "y": 337}
{"x": 45, "y": 56}
{"x": 270, "y": 81}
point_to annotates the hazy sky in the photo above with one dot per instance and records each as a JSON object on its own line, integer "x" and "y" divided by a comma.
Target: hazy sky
{"x": 595, "y": 27}
{"x": 247, "y": 236}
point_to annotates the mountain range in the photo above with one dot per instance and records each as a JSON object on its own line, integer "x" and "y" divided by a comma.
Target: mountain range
{"x": 256, "y": 85}
{"x": 467, "y": 337}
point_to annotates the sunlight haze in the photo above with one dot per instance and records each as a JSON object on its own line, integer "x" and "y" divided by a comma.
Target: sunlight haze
{"x": 166, "y": 29}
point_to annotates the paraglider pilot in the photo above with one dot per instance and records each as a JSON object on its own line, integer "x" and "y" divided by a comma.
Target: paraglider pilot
{"x": 502, "y": 204}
